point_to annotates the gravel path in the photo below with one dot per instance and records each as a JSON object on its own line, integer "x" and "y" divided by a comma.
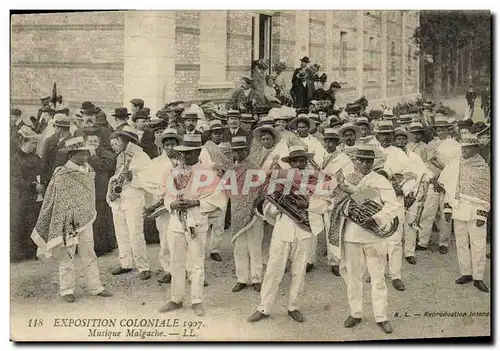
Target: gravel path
{"x": 430, "y": 288}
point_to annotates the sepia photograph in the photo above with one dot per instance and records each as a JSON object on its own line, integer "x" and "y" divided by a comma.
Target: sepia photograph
{"x": 250, "y": 175}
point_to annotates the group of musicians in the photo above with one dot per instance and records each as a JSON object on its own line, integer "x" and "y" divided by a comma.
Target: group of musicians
{"x": 386, "y": 186}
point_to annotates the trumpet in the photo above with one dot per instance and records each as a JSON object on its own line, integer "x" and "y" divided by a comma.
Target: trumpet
{"x": 415, "y": 225}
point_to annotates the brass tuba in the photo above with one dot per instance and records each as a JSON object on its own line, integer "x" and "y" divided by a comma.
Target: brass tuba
{"x": 359, "y": 212}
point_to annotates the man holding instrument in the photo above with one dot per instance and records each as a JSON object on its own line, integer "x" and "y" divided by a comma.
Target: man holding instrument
{"x": 288, "y": 238}
{"x": 153, "y": 181}
{"x": 362, "y": 248}
{"x": 191, "y": 195}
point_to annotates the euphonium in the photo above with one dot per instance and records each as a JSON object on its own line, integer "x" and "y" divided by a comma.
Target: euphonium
{"x": 360, "y": 213}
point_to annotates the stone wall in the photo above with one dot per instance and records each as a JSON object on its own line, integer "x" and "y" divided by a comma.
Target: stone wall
{"x": 81, "y": 52}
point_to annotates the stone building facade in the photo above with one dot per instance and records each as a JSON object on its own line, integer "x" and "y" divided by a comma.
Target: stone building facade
{"x": 160, "y": 56}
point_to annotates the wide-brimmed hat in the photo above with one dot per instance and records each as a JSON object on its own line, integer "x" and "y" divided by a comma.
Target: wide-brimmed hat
{"x": 15, "y": 112}
{"x": 296, "y": 151}
{"x": 384, "y": 127}
{"x": 405, "y": 119}
{"x": 157, "y": 123}
{"x": 61, "y": 120}
{"x": 331, "y": 133}
{"x": 262, "y": 110}
{"x": 141, "y": 114}
{"x": 168, "y": 133}
{"x": 314, "y": 117}
{"x": 239, "y": 142}
{"x": 415, "y": 127}
{"x": 136, "y": 102}
{"x": 388, "y": 114}
{"x": 220, "y": 115}
{"x": 285, "y": 112}
{"x": 349, "y": 126}
{"x": 191, "y": 112}
{"x": 247, "y": 118}
{"x": 233, "y": 113}
{"x": 364, "y": 120}
{"x": 128, "y": 132}
{"x": 88, "y": 108}
{"x": 264, "y": 63}
{"x": 247, "y": 79}
{"x": 335, "y": 85}
{"x": 121, "y": 113}
{"x": 302, "y": 118}
{"x": 75, "y": 144}
{"x": 402, "y": 131}
{"x": 215, "y": 125}
{"x": 365, "y": 151}
{"x": 441, "y": 120}
{"x": 189, "y": 142}
{"x": 280, "y": 66}
{"x": 274, "y": 113}
{"x": 469, "y": 139}
{"x": 257, "y": 133}
{"x": 304, "y": 59}
{"x": 353, "y": 108}
{"x": 28, "y": 133}
{"x": 265, "y": 121}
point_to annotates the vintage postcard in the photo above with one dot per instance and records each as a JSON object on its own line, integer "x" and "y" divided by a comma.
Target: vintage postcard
{"x": 248, "y": 175}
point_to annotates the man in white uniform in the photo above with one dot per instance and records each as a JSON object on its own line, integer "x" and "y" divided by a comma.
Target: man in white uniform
{"x": 288, "y": 237}
{"x": 190, "y": 198}
{"x": 396, "y": 165}
{"x": 467, "y": 200}
{"x": 440, "y": 151}
{"x": 128, "y": 205}
{"x": 362, "y": 248}
{"x": 153, "y": 180}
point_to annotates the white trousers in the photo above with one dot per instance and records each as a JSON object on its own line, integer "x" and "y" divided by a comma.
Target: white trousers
{"x": 164, "y": 255}
{"x": 471, "y": 260}
{"x": 266, "y": 241}
{"x": 183, "y": 247}
{"x": 312, "y": 250}
{"x": 216, "y": 231}
{"x": 410, "y": 234}
{"x": 395, "y": 248}
{"x": 129, "y": 229}
{"x": 433, "y": 203}
{"x": 358, "y": 258}
{"x": 66, "y": 258}
{"x": 248, "y": 254}
{"x": 278, "y": 257}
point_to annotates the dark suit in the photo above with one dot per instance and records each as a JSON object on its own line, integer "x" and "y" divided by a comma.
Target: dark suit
{"x": 239, "y": 97}
{"x": 104, "y": 134}
{"x": 52, "y": 157}
{"x": 148, "y": 143}
{"x": 228, "y": 135}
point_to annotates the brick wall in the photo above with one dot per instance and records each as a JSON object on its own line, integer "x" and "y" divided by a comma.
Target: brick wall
{"x": 81, "y": 52}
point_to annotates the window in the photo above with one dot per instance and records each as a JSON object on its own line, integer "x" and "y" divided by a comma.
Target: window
{"x": 372, "y": 59}
{"x": 343, "y": 54}
{"x": 261, "y": 37}
{"x": 393, "y": 69}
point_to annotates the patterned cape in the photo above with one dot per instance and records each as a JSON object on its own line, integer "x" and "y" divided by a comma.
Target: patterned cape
{"x": 242, "y": 206}
{"x": 221, "y": 161}
{"x": 68, "y": 208}
{"x": 474, "y": 178}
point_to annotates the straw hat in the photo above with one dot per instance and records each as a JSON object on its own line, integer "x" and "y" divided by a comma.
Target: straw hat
{"x": 239, "y": 142}
{"x": 257, "y": 133}
{"x": 75, "y": 144}
{"x": 296, "y": 151}
{"x": 168, "y": 133}
{"x": 190, "y": 142}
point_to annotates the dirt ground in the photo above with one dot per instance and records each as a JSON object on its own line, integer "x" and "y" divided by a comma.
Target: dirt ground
{"x": 430, "y": 289}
